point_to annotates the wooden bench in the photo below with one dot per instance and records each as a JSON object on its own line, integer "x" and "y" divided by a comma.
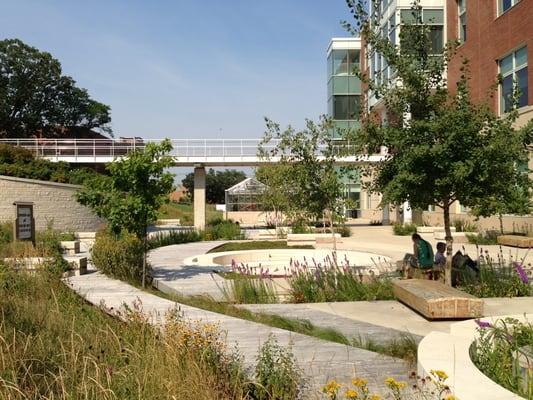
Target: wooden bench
{"x": 515, "y": 241}
{"x": 435, "y": 300}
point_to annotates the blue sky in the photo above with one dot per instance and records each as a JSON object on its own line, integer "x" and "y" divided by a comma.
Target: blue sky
{"x": 189, "y": 68}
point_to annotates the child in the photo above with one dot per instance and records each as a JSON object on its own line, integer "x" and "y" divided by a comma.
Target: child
{"x": 440, "y": 258}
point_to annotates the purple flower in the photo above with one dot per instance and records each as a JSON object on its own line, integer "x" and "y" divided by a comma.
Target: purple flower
{"x": 521, "y": 272}
{"x": 483, "y": 324}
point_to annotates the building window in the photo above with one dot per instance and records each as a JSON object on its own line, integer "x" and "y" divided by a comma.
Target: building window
{"x": 513, "y": 70}
{"x": 504, "y": 5}
{"x": 343, "y": 62}
{"x": 434, "y": 18}
{"x": 462, "y": 20}
{"x": 346, "y": 107}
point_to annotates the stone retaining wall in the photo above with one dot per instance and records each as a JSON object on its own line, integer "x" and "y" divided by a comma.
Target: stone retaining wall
{"x": 52, "y": 203}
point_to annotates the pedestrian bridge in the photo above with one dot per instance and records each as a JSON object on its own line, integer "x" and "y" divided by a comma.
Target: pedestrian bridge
{"x": 185, "y": 152}
{"x": 197, "y": 153}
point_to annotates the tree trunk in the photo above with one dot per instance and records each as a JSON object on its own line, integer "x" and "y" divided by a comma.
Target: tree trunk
{"x": 500, "y": 217}
{"x": 333, "y": 231}
{"x": 449, "y": 244}
{"x": 144, "y": 261}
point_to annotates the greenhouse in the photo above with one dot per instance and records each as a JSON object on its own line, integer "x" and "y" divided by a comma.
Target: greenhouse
{"x": 245, "y": 196}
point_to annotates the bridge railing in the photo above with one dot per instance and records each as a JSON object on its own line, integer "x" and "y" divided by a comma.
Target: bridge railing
{"x": 112, "y": 148}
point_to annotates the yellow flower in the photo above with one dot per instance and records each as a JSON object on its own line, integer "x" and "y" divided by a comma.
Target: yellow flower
{"x": 450, "y": 397}
{"x": 331, "y": 388}
{"x": 351, "y": 394}
{"x": 359, "y": 382}
{"x": 394, "y": 384}
{"x": 439, "y": 374}
{"x": 374, "y": 397}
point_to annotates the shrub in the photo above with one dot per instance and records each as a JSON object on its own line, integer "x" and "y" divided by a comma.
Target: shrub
{"x": 300, "y": 226}
{"x": 404, "y": 229}
{"x": 6, "y": 232}
{"x": 219, "y": 229}
{"x": 277, "y": 375}
{"x": 462, "y": 225}
{"x": 120, "y": 257}
{"x": 167, "y": 238}
{"x": 483, "y": 238}
{"x": 343, "y": 230}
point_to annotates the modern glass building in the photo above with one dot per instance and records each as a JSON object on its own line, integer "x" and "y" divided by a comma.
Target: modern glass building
{"x": 344, "y": 99}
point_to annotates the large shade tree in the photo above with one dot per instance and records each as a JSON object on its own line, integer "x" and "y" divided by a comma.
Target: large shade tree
{"x": 37, "y": 99}
{"x": 442, "y": 147}
{"x": 216, "y": 183}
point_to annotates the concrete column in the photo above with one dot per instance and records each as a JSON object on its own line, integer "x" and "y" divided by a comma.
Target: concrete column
{"x": 407, "y": 213}
{"x": 199, "y": 197}
{"x": 386, "y": 214}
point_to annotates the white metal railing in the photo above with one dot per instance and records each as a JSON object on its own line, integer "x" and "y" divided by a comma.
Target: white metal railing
{"x": 99, "y": 149}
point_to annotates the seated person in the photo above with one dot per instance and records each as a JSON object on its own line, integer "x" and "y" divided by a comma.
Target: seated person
{"x": 422, "y": 256}
{"x": 440, "y": 260}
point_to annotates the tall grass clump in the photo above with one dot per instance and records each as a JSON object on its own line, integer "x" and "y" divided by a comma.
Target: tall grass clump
{"x": 167, "y": 238}
{"x": 54, "y": 345}
{"x": 498, "y": 350}
{"x": 220, "y": 229}
{"x": 247, "y": 287}
{"x": 335, "y": 280}
{"x": 119, "y": 256}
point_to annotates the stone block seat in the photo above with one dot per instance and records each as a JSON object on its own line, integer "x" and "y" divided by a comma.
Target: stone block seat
{"x": 70, "y": 247}
{"x": 435, "y": 300}
{"x": 515, "y": 241}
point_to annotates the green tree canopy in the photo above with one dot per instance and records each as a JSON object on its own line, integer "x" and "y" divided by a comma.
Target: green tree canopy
{"x": 305, "y": 172}
{"x": 36, "y": 99}
{"x": 442, "y": 147}
{"x": 135, "y": 189}
{"x": 216, "y": 183}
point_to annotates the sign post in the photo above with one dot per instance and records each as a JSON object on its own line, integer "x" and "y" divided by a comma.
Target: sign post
{"x": 24, "y": 222}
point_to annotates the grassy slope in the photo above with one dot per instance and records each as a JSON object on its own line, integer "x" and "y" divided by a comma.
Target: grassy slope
{"x": 54, "y": 345}
{"x": 256, "y": 245}
{"x": 184, "y": 212}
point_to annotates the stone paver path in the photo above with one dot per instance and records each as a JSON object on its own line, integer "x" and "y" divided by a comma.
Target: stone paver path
{"x": 320, "y": 360}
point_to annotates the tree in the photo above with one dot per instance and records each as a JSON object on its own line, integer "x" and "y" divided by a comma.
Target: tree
{"x": 442, "y": 147}
{"x": 216, "y": 183}
{"x": 312, "y": 182}
{"x": 35, "y": 98}
{"x": 135, "y": 189}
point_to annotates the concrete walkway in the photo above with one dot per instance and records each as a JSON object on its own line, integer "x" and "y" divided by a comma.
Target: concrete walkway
{"x": 320, "y": 360}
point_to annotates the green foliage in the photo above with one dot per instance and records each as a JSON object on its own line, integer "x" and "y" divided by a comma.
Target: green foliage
{"x": 219, "y": 229}
{"x": 483, "y": 238}
{"x": 6, "y": 232}
{"x": 306, "y": 174}
{"x": 406, "y": 229}
{"x": 184, "y": 212}
{"x": 462, "y": 225}
{"x": 216, "y": 182}
{"x": 300, "y": 226}
{"x": 137, "y": 185}
{"x": 405, "y": 347}
{"x": 167, "y": 238}
{"x": 497, "y": 278}
{"x": 119, "y": 256}
{"x": 79, "y": 352}
{"x": 21, "y": 163}
{"x": 495, "y": 352}
{"x": 36, "y": 98}
{"x": 276, "y": 373}
{"x": 249, "y": 289}
{"x": 256, "y": 245}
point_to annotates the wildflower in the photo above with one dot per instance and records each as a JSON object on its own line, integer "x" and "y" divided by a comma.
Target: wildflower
{"x": 521, "y": 272}
{"x": 331, "y": 389}
{"x": 450, "y": 397}
{"x": 483, "y": 324}
{"x": 374, "y": 397}
{"x": 359, "y": 382}
{"x": 394, "y": 384}
{"x": 351, "y": 394}
{"x": 439, "y": 374}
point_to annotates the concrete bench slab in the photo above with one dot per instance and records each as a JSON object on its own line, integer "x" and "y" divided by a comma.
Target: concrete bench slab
{"x": 70, "y": 247}
{"x": 515, "y": 241}
{"x": 77, "y": 262}
{"x": 435, "y": 300}
{"x": 168, "y": 221}
{"x": 458, "y": 237}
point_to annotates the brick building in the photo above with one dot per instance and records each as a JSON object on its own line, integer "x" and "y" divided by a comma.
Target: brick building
{"x": 496, "y": 37}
